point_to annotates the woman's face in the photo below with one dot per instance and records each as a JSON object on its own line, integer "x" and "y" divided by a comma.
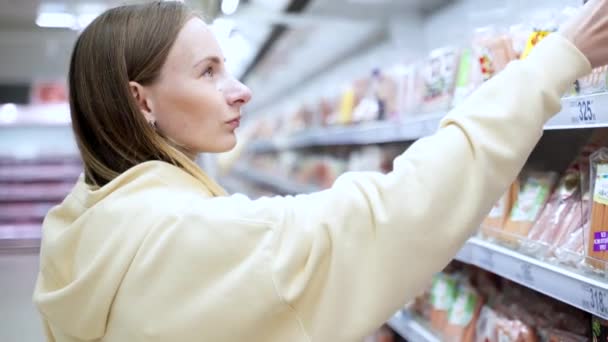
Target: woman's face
{"x": 196, "y": 102}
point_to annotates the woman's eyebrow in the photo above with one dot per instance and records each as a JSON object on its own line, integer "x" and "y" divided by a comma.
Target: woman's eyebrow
{"x": 212, "y": 59}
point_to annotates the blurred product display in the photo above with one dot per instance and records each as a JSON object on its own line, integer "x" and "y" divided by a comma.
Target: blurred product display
{"x": 537, "y": 268}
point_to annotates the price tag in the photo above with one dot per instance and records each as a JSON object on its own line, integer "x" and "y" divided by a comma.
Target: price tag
{"x": 525, "y": 273}
{"x": 483, "y": 258}
{"x": 583, "y": 112}
{"x": 595, "y": 300}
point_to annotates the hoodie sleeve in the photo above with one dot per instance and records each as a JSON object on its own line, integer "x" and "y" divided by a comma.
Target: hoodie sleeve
{"x": 347, "y": 258}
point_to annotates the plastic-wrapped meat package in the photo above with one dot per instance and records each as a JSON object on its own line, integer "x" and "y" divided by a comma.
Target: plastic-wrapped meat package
{"x": 497, "y": 217}
{"x": 439, "y": 75}
{"x": 566, "y": 241}
{"x": 493, "y": 51}
{"x": 485, "y": 331}
{"x": 532, "y": 198}
{"x": 422, "y": 305}
{"x": 514, "y": 331}
{"x": 443, "y": 294}
{"x": 555, "y": 335}
{"x": 571, "y": 221}
{"x": 570, "y": 252}
{"x": 559, "y": 212}
{"x": 597, "y": 238}
{"x": 463, "y": 316}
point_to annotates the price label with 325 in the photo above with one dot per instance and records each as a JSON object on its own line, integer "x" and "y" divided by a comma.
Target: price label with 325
{"x": 583, "y": 112}
{"x": 596, "y": 301}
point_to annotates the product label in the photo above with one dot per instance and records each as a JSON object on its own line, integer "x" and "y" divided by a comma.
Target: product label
{"x": 600, "y": 241}
{"x": 486, "y": 63}
{"x": 599, "y": 329}
{"x": 443, "y": 292}
{"x": 530, "y": 201}
{"x": 600, "y": 191}
{"x": 463, "y": 309}
{"x": 464, "y": 70}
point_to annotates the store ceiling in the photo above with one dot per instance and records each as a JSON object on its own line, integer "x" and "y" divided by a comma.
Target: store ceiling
{"x": 315, "y": 38}
{"x": 29, "y": 53}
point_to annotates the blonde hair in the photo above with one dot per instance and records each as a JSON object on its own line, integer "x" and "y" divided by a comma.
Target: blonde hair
{"x": 127, "y": 43}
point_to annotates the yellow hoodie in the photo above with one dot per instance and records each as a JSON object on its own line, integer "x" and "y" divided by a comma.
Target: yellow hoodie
{"x": 153, "y": 257}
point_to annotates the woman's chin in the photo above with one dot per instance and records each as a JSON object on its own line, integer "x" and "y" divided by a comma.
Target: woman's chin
{"x": 222, "y": 146}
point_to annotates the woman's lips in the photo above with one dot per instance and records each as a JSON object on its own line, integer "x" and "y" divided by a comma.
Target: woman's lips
{"x": 235, "y": 123}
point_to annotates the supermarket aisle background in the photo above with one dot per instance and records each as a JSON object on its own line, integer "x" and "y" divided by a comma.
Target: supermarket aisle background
{"x": 310, "y": 64}
{"x": 19, "y": 320}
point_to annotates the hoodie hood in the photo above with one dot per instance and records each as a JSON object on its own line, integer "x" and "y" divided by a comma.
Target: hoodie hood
{"x": 88, "y": 244}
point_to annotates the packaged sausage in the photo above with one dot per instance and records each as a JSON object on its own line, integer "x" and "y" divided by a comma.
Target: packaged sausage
{"x": 570, "y": 252}
{"x": 560, "y": 212}
{"x": 485, "y": 330}
{"x": 468, "y": 78}
{"x": 597, "y": 239}
{"x": 439, "y": 75}
{"x": 595, "y": 82}
{"x": 497, "y": 217}
{"x": 443, "y": 294}
{"x": 599, "y": 329}
{"x": 463, "y": 316}
{"x": 493, "y": 51}
{"x": 508, "y": 330}
{"x": 531, "y": 200}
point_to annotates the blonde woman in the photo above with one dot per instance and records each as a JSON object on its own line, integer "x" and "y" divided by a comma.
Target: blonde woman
{"x": 147, "y": 248}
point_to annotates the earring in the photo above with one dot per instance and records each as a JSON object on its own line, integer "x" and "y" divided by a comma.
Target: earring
{"x": 152, "y": 124}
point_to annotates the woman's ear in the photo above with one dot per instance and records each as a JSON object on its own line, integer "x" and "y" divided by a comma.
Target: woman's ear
{"x": 140, "y": 95}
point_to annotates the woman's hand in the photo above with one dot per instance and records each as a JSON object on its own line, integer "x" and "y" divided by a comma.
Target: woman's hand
{"x": 588, "y": 30}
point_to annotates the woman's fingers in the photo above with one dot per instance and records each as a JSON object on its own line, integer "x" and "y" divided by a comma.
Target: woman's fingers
{"x": 588, "y": 30}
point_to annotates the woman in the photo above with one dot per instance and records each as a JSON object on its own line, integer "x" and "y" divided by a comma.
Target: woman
{"x": 148, "y": 248}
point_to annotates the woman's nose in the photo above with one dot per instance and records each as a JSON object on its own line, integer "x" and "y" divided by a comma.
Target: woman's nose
{"x": 239, "y": 94}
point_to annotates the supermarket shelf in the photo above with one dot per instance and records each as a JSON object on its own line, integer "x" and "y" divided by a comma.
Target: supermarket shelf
{"x": 25, "y": 238}
{"x": 410, "y": 328}
{"x": 39, "y": 173}
{"x": 569, "y": 286}
{"x": 590, "y": 111}
{"x": 16, "y": 193}
{"x": 362, "y": 134}
{"x": 282, "y": 185}
{"x": 20, "y": 211}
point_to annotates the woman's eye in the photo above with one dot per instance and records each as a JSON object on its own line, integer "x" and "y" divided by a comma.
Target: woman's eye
{"x": 208, "y": 72}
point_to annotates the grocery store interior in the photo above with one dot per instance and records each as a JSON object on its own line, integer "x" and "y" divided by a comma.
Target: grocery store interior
{"x": 339, "y": 86}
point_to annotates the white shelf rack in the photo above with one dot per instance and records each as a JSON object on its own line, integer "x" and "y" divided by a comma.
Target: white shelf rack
{"x": 586, "y": 292}
{"x": 412, "y": 329}
{"x": 590, "y": 111}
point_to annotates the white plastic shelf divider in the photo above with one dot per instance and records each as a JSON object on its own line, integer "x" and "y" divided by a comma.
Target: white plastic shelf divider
{"x": 588, "y": 111}
{"x": 410, "y": 328}
{"x": 282, "y": 185}
{"x": 568, "y": 286}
